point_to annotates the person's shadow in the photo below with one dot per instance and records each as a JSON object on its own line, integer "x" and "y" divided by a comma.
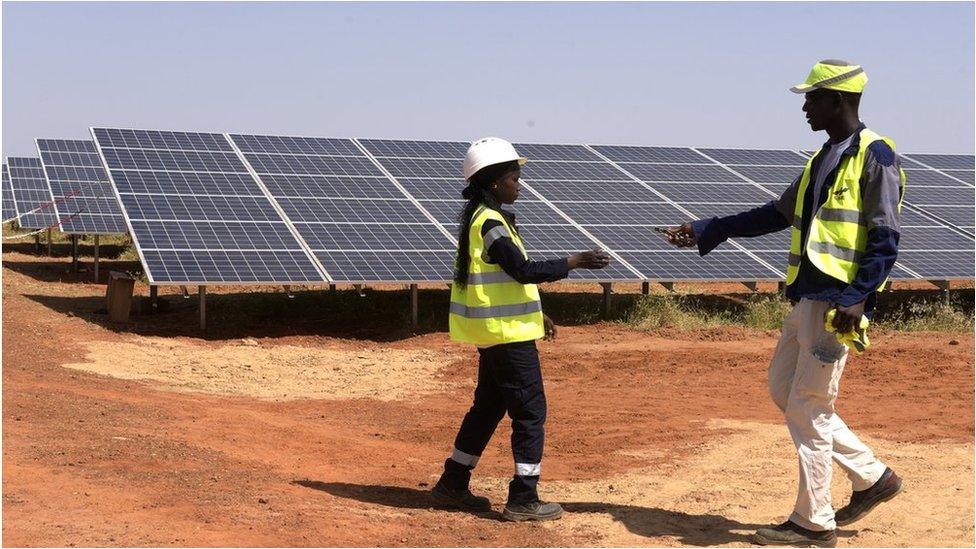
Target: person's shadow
{"x": 701, "y": 530}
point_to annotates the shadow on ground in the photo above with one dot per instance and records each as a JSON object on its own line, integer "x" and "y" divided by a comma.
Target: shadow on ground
{"x": 650, "y": 522}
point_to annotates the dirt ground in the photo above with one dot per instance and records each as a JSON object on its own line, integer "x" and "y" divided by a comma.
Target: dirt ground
{"x": 284, "y": 428}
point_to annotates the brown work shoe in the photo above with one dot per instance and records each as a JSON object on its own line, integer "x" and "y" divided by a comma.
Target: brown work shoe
{"x": 792, "y": 534}
{"x": 862, "y": 502}
{"x": 455, "y": 498}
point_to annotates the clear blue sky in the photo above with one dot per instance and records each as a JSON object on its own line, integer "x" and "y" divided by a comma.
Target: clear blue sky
{"x": 656, "y": 74}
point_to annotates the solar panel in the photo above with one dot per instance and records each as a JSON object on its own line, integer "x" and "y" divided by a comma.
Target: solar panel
{"x": 9, "y": 209}
{"x": 966, "y": 176}
{"x": 937, "y": 196}
{"x": 729, "y": 193}
{"x": 938, "y": 265}
{"x": 359, "y": 224}
{"x": 670, "y": 155}
{"x": 687, "y": 173}
{"x": 687, "y": 265}
{"x": 945, "y": 161}
{"x": 84, "y": 199}
{"x": 773, "y": 175}
{"x": 960, "y": 216}
{"x": 927, "y": 178}
{"x": 365, "y": 210}
{"x": 759, "y": 157}
{"x": 437, "y": 185}
{"x": 31, "y": 192}
{"x": 589, "y": 191}
{"x": 197, "y": 215}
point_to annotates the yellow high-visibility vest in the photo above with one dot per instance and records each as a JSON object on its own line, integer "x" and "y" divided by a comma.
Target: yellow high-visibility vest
{"x": 493, "y": 308}
{"x": 837, "y": 235}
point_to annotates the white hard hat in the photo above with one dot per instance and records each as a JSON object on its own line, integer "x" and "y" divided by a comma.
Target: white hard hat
{"x": 488, "y": 151}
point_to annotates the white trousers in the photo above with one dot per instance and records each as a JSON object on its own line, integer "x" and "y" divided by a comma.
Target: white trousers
{"x": 804, "y": 376}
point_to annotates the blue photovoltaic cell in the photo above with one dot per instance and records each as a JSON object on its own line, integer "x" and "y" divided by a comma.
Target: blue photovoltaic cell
{"x": 422, "y": 168}
{"x": 31, "y": 192}
{"x": 433, "y": 189}
{"x": 969, "y": 176}
{"x": 676, "y": 265}
{"x": 686, "y": 173}
{"x": 670, "y": 155}
{"x": 933, "y": 238}
{"x": 239, "y": 266}
{"x": 755, "y": 156}
{"x": 589, "y": 191}
{"x": 74, "y": 170}
{"x": 941, "y": 264}
{"x": 350, "y": 214}
{"x": 630, "y": 237}
{"x": 277, "y": 144}
{"x": 623, "y": 214}
{"x": 553, "y": 237}
{"x": 197, "y": 214}
{"x": 940, "y": 196}
{"x": 723, "y": 193}
{"x": 9, "y": 209}
{"x": 927, "y": 178}
{"x": 593, "y": 171}
{"x": 415, "y": 149}
{"x": 945, "y": 161}
{"x": 536, "y": 152}
{"x": 960, "y": 216}
{"x": 774, "y": 175}
{"x": 385, "y": 266}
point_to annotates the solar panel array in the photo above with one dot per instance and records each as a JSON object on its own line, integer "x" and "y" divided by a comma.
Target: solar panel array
{"x": 195, "y": 213}
{"x": 359, "y": 224}
{"x": 209, "y": 208}
{"x": 31, "y": 192}
{"x": 430, "y": 172}
{"x": 9, "y": 208}
{"x": 83, "y": 197}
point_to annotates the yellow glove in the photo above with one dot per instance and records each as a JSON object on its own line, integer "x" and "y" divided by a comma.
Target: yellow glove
{"x": 857, "y": 339}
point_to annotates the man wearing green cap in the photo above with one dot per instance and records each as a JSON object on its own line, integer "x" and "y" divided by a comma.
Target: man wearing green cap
{"x": 843, "y": 214}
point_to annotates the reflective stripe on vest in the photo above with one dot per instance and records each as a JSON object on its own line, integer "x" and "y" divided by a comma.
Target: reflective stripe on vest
{"x": 837, "y": 235}
{"x": 493, "y": 308}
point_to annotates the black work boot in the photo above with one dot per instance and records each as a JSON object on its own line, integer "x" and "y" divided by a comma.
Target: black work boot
{"x": 458, "y": 498}
{"x": 533, "y": 510}
{"x": 862, "y": 502}
{"x": 794, "y": 535}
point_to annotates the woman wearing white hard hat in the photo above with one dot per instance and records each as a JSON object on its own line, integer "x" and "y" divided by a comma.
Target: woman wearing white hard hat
{"x": 495, "y": 305}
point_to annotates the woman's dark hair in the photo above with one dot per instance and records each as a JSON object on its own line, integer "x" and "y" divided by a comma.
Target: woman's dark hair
{"x": 477, "y": 194}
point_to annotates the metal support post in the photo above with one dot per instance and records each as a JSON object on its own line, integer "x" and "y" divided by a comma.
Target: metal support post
{"x": 607, "y": 289}
{"x": 49, "y": 254}
{"x": 645, "y": 288}
{"x": 781, "y": 286}
{"x": 413, "y": 305}
{"x": 74, "y": 253}
{"x": 153, "y": 298}
{"x": 944, "y": 286}
{"x": 332, "y": 288}
{"x": 37, "y": 243}
{"x": 96, "y": 258}
{"x": 202, "y": 293}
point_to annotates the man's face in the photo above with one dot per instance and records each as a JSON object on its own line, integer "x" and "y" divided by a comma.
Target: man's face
{"x": 821, "y": 106}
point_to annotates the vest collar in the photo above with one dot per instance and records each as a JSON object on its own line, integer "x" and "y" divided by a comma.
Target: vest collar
{"x": 855, "y": 143}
